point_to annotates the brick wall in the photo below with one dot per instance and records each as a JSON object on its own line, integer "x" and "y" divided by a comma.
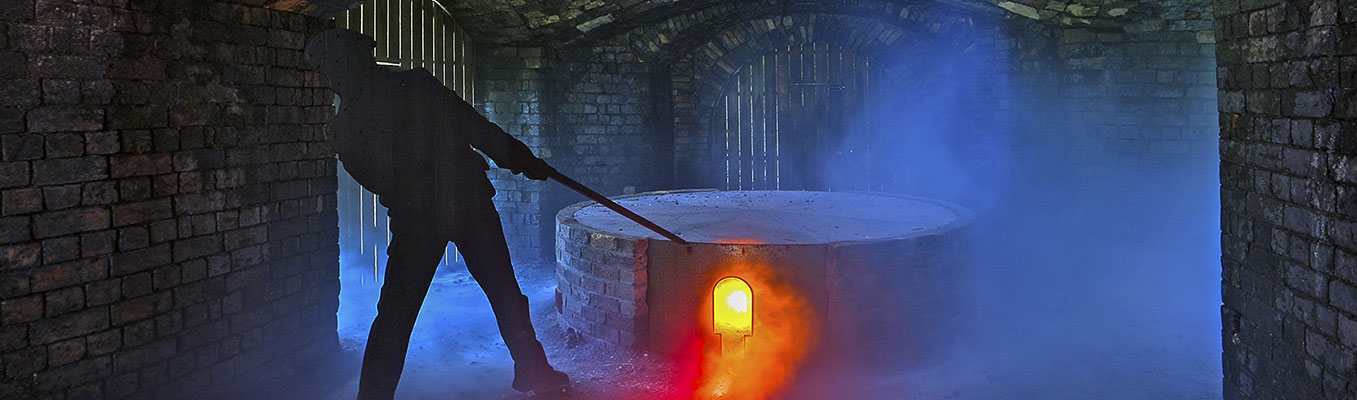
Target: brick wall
{"x": 586, "y": 112}
{"x": 510, "y": 92}
{"x": 167, "y": 220}
{"x": 1123, "y": 104}
{"x": 600, "y": 123}
{"x": 1288, "y": 153}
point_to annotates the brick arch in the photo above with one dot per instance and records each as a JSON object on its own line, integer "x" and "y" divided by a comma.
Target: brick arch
{"x": 699, "y": 77}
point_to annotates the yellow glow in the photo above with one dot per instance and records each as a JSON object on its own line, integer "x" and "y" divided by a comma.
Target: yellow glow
{"x": 738, "y": 301}
{"x": 734, "y": 317}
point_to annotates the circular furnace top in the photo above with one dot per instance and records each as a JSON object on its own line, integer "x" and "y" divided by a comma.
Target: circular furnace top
{"x": 773, "y": 217}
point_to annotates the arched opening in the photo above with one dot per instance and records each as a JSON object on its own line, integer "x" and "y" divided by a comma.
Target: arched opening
{"x": 787, "y": 113}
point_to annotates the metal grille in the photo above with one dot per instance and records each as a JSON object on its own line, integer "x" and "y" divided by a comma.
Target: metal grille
{"x": 409, "y": 34}
{"x": 787, "y": 115}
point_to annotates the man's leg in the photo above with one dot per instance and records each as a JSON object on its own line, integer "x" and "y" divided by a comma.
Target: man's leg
{"x": 487, "y": 259}
{"x": 412, "y": 258}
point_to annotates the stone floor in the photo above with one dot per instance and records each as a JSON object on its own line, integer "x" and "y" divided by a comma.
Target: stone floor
{"x": 456, "y": 353}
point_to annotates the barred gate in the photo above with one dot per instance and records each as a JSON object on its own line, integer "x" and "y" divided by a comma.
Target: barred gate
{"x": 788, "y": 114}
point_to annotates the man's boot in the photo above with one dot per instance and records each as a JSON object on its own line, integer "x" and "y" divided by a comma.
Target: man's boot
{"x": 531, "y": 370}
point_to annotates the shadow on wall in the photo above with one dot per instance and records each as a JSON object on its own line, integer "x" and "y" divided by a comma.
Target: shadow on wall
{"x": 1097, "y": 256}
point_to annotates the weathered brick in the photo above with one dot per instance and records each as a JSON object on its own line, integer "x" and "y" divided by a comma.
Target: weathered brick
{"x": 140, "y": 308}
{"x": 59, "y": 223}
{"x": 98, "y": 193}
{"x": 14, "y": 230}
{"x": 101, "y": 142}
{"x": 96, "y": 92}
{"x": 97, "y": 243}
{"x": 1343, "y": 296}
{"x": 66, "y": 351}
{"x": 103, "y": 292}
{"x": 138, "y": 284}
{"x": 15, "y": 92}
{"x": 141, "y": 212}
{"x": 22, "y": 147}
{"x": 60, "y": 91}
{"x": 11, "y": 119}
{"x": 20, "y": 256}
{"x": 127, "y": 262}
{"x": 141, "y": 164}
{"x": 196, "y": 247}
{"x": 16, "y": 11}
{"x": 61, "y": 197}
{"x": 67, "y": 66}
{"x": 69, "y": 170}
{"x": 64, "y": 300}
{"x": 104, "y": 342}
{"x": 62, "y": 118}
{"x": 60, "y": 249}
{"x": 48, "y": 330}
{"x": 61, "y": 145}
{"x": 72, "y": 273}
{"x": 13, "y": 174}
{"x": 25, "y": 361}
{"x": 21, "y": 309}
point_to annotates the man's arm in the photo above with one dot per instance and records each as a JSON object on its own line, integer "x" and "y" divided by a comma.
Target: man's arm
{"x": 494, "y": 142}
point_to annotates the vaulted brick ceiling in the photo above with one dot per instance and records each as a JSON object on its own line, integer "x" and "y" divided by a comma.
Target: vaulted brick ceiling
{"x": 555, "y": 21}
{"x": 547, "y": 22}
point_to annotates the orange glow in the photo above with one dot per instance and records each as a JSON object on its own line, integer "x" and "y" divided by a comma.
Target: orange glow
{"x": 782, "y": 330}
{"x": 741, "y": 240}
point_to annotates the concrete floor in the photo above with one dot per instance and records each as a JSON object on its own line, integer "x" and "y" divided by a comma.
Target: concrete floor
{"x": 456, "y": 353}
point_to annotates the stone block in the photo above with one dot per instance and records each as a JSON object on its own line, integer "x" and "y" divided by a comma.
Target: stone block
{"x": 61, "y": 145}
{"x": 61, "y": 197}
{"x": 97, "y": 243}
{"x": 64, "y": 300}
{"x": 98, "y": 193}
{"x": 20, "y": 201}
{"x": 21, "y": 147}
{"x": 65, "y": 118}
{"x": 16, "y": 92}
{"x": 141, "y": 212}
{"x": 67, "y": 222}
{"x": 53, "y": 329}
{"x": 69, "y": 170}
{"x": 21, "y": 309}
{"x": 66, "y": 352}
{"x": 60, "y": 91}
{"x": 68, "y": 274}
{"x": 60, "y": 249}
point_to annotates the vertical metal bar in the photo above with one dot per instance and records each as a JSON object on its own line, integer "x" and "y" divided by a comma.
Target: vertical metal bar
{"x": 379, "y": 30}
{"x": 754, "y": 115}
{"x": 362, "y": 242}
{"x": 725, "y": 118}
{"x": 440, "y": 41}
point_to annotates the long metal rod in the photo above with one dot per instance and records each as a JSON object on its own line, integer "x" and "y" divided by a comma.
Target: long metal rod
{"x": 601, "y": 199}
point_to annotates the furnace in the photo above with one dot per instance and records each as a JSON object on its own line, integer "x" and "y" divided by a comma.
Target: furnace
{"x": 876, "y": 271}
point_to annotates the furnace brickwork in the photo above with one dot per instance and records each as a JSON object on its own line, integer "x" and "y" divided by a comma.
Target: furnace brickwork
{"x": 168, "y": 199}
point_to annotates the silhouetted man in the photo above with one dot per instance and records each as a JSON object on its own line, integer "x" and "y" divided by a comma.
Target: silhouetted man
{"x": 409, "y": 139}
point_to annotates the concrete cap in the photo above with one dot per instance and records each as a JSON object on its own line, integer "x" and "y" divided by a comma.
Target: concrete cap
{"x": 777, "y": 217}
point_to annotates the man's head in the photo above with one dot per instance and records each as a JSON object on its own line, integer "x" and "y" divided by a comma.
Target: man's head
{"x": 344, "y": 56}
